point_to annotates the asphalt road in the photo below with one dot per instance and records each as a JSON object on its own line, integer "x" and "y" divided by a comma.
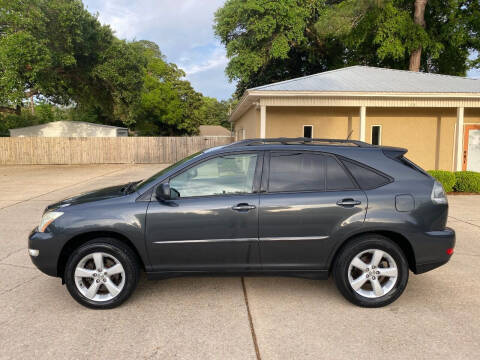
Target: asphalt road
{"x": 438, "y": 316}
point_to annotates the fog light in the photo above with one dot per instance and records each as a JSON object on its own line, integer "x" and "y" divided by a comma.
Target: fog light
{"x": 33, "y": 252}
{"x": 450, "y": 251}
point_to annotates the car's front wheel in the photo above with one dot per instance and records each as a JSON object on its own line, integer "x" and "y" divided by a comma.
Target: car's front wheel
{"x": 102, "y": 273}
{"x": 371, "y": 271}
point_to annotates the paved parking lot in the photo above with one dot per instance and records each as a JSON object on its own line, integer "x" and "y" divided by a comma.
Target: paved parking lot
{"x": 438, "y": 316}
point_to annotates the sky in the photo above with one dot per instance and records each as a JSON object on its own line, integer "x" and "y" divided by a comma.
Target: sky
{"x": 183, "y": 30}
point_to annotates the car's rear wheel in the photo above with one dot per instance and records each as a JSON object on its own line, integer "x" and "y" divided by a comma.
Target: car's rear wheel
{"x": 102, "y": 273}
{"x": 371, "y": 271}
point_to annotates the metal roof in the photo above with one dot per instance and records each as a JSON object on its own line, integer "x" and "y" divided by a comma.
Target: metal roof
{"x": 371, "y": 79}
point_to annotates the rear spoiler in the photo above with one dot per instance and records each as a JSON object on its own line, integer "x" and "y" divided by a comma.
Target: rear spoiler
{"x": 394, "y": 153}
{"x": 397, "y": 154}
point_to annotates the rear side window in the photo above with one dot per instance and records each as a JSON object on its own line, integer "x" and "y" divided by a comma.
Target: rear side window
{"x": 296, "y": 172}
{"x": 337, "y": 178}
{"x": 366, "y": 178}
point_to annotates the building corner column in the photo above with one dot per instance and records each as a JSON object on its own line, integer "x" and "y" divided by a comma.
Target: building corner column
{"x": 459, "y": 139}
{"x": 363, "y": 122}
{"x": 263, "y": 121}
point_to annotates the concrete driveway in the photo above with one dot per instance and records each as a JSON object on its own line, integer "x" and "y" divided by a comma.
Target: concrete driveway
{"x": 438, "y": 316}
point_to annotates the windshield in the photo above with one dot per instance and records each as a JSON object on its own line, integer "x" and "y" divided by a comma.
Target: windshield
{"x": 152, "y": 178}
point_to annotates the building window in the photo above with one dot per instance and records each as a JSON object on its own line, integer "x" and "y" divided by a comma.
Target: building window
{"x": 308, "y": 131}
{"x": 376, "y": 134}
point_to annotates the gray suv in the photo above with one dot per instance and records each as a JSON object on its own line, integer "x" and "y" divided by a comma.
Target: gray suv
{"x": 290, "y": 207}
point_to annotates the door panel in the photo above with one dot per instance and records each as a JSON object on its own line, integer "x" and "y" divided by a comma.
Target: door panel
{"x": 211, "y": 222}
{"x": 298, "y": 230}
{"x": 203, "y": 234}
{"x": 308, "y": 201}
{"x": 472, "y": 148}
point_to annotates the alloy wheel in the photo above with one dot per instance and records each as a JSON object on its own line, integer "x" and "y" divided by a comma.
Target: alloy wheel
{"x": 372, "y": 273}
{"x": 99, "y": 276}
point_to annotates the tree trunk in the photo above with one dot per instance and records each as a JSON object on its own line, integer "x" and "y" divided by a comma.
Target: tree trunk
{"x": 419, "y": 19}
{"x": 32, "y": 104}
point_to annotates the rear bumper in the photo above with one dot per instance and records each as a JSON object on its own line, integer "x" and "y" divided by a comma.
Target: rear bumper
{"x": 431, "y": 249}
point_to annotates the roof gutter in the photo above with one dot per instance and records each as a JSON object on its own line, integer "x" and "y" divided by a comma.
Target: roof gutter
{"x": 252, "y": 96}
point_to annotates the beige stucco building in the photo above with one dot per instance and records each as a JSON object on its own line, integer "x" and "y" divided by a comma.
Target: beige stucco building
{"x": 436, "y": 117}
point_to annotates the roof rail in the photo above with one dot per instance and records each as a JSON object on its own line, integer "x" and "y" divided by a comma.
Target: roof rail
{"x": 299, "y": 140}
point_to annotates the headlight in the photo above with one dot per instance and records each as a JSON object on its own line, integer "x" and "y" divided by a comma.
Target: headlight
{"x": 48, "y": 218}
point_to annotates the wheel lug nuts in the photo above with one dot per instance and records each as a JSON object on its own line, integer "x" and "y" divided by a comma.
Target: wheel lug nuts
{"x": 367, "y": 275}
{"x": 98, "y": 280}
{"x": 378, "y": 272}
{"x": 104, "y": 280}
{"x": 373, "y": 277}
{"x": 94, "y": 274}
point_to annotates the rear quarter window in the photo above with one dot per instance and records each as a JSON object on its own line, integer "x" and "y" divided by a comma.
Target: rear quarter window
{"x": 366, "y": 177}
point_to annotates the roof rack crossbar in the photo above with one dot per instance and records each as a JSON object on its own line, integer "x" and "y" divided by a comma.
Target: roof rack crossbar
{"x": 299, "y": 140}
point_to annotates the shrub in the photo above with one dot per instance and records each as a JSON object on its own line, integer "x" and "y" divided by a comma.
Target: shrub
{"x": 467, "y": 181}
{"x": 446, "y": 178}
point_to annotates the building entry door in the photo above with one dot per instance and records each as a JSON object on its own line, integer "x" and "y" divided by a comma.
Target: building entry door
{"x": 471, "y": 148}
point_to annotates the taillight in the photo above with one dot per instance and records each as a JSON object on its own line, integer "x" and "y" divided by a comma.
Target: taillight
{"x": 438, "y": 194}
{"x": 450, "y": 251}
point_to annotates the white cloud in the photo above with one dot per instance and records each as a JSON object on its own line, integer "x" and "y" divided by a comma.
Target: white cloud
{"x": 217, "y": 59}
{"x": 182, "y": 29}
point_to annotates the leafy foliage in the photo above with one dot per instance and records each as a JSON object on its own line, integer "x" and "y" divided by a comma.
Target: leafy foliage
{"x": 446, "y": 178}
{"x": 467, "y": 181}
{"x": 459, "y": 181}
{"x": 387, "y": 29}
{"x": 56, "y": 52}
{"x": 214, "y": 112}
{"x": 168, "y": 104}
{"x": 269, "y": 41}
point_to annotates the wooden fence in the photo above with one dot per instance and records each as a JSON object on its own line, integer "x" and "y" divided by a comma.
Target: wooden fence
{"x": 97, "y": 150}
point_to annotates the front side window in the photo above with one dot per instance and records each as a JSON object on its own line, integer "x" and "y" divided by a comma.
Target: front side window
{"x": 291, "y": 172}
{"x": 223, "y": 175}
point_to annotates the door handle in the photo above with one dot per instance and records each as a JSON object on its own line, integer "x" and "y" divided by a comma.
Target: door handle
{"x": 348, "y": 202}
{"x": 243, "y": 207}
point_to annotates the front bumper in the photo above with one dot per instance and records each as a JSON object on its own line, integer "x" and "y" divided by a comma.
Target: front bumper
{"x": 431, "y": 249}
{"x": 48, "y": 251}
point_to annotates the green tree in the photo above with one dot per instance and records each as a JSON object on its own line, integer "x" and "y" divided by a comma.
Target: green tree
{"x": 168, "y": 104}
{"x": 429, "y": 35}
{"x": 214, "y": 112}
{"x": 56, "y": 50}
{"x": 269, "y": 41}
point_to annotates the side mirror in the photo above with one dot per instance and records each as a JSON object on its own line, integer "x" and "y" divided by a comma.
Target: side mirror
{"x": 163, "y": 191}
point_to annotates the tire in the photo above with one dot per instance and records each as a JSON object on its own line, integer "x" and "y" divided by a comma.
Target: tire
{"x": 111, "y": 286}
{"x": 363, "y": 252}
